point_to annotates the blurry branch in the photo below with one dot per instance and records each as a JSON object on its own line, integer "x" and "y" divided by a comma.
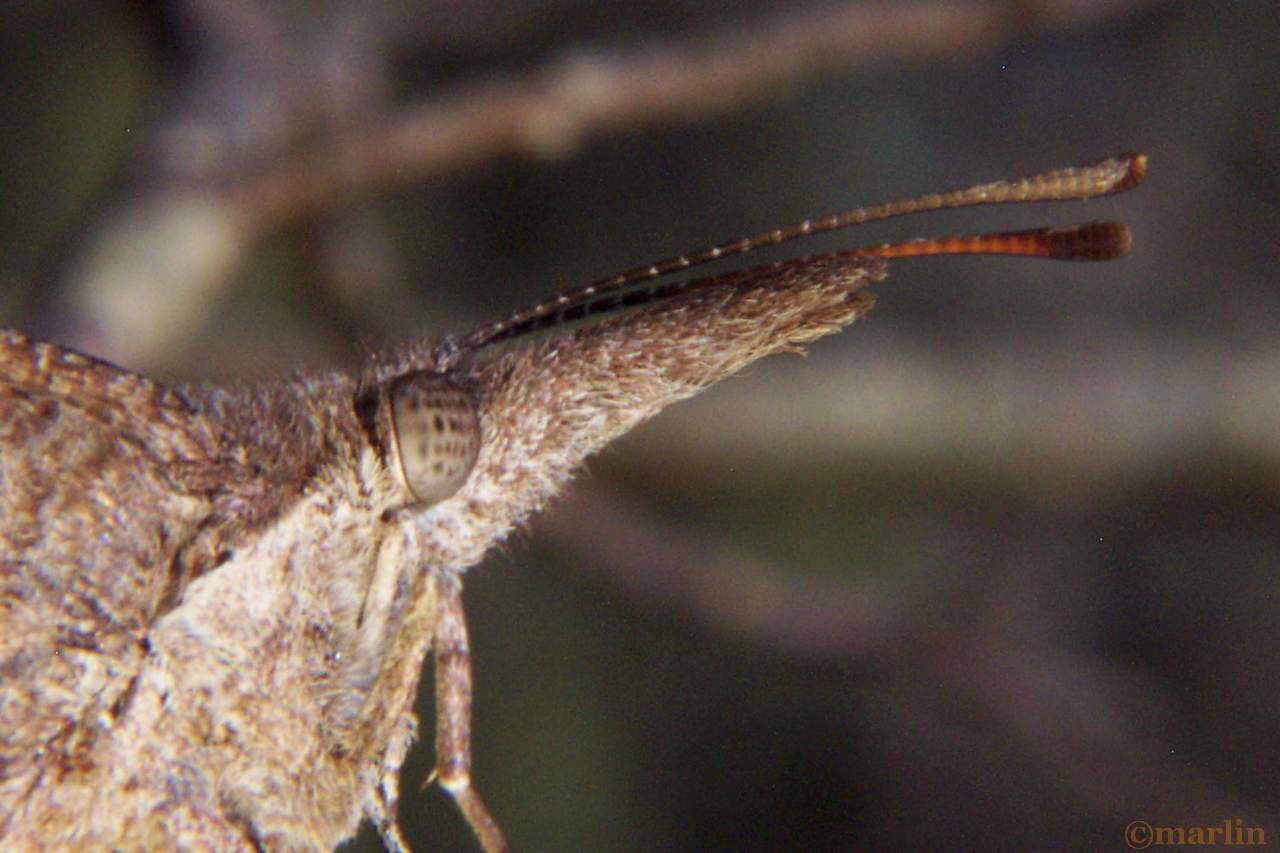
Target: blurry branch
{"x": 584, "y": 93}
{"x": 172, "y": 250}
{"x": 1087, "y": 723}
{"x": 1069, "y": 420}
{"x": 1091, "y": 725}
{"x": 603, "y": 533}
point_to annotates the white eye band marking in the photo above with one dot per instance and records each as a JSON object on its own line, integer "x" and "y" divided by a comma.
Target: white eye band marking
{"x": 435, "y": 435}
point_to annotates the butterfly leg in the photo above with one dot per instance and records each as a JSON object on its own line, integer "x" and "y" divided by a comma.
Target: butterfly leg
{"x": 384, "y": 820}
{"x": 381, "y": 808}
{"x": 453, "y": 715}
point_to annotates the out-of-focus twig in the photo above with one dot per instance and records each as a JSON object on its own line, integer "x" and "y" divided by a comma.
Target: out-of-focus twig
{"x": 1086, "y": 723}
{"x": 181, "y": 242}
{"x": 1048, "y": 419}
{"x": 604, "y": 533}
{"x": 587, "y": 92}
{"x": 1090, "y": 724}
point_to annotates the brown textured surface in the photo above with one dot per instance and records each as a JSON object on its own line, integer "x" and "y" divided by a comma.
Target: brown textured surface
{"x": 115, "y": 495}
{"x": 217, "y": 603}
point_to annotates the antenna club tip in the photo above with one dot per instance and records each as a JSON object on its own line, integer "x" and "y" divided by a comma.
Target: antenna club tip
{"x": 1123, "y": 240}
{"x": 1096, "y": 241}
{"x": 1136, "y": 172}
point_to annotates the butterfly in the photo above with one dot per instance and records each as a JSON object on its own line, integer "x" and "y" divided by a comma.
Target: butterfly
{"x": 216, "y": 602}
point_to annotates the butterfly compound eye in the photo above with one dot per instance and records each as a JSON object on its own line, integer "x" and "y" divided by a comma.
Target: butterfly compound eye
{"x": 435, "y": 434}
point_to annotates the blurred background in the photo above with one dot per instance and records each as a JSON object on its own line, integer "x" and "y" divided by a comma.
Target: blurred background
{"x": 996, "y": 568}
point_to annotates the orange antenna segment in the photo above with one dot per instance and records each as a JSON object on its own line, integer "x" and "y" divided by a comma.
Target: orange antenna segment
{"x": 1096, "y": 241}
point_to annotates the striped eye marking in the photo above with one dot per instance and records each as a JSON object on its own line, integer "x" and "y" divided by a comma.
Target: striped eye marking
{"x": 435, "y": 435}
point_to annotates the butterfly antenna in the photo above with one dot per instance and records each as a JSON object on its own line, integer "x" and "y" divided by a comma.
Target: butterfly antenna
{"x": 1104, "y": 177}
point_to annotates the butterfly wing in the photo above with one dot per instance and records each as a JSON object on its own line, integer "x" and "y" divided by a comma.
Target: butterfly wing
{"x": 100, "y": 505}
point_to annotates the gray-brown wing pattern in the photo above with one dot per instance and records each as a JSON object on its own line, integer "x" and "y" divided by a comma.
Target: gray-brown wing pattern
{"x": 100, "y": 505}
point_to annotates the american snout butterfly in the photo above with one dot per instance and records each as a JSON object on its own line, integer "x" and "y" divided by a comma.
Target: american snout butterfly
{"x": 215, "y": 603}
